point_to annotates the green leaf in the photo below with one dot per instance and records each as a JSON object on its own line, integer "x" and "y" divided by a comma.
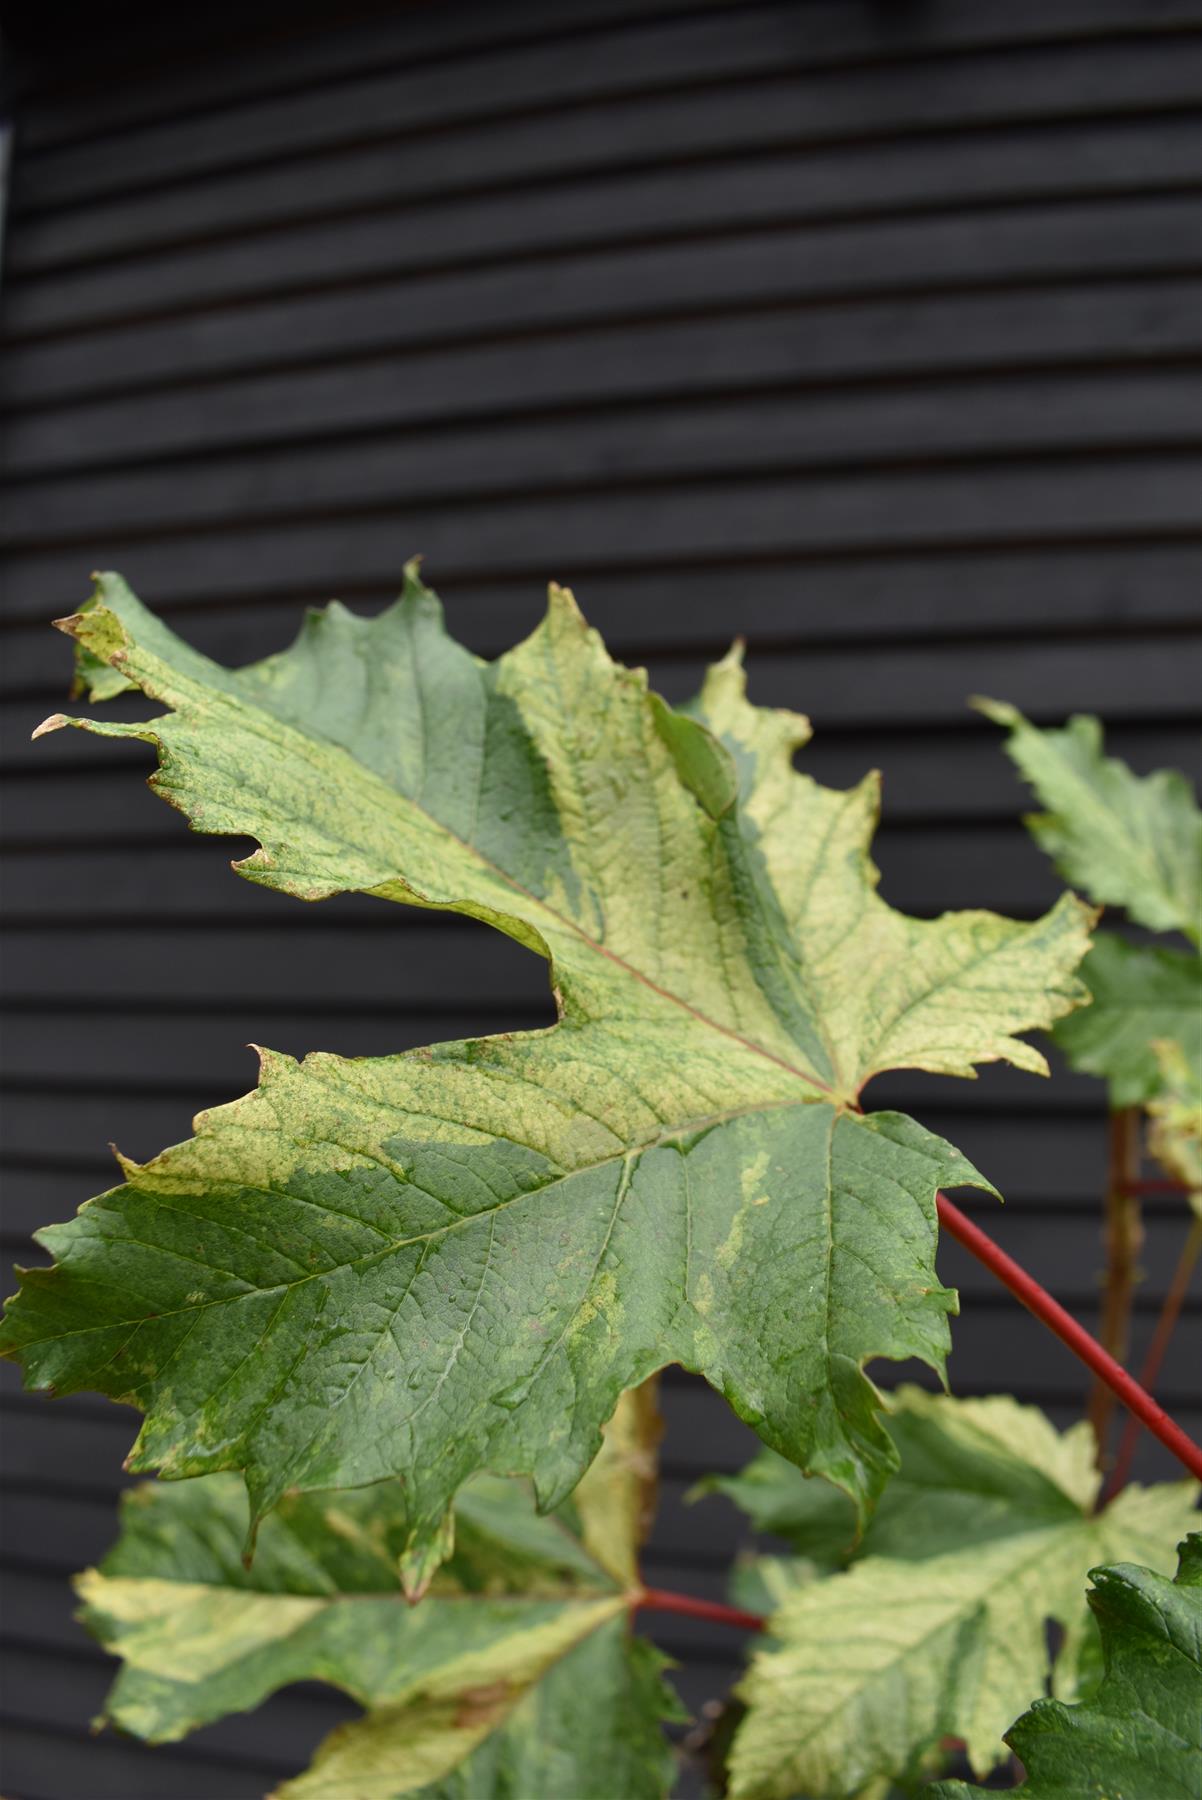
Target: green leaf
{"x": 428, "y": 1264}
{"x": 1140, "y": 995}
{"x": 202, "y": 1637}
{"x": 938, "y": 1627}
{"x": 759, "y": 1584}
{"x": 969, "y": 1470}
{"x": 519, "y": 1659}
{"x": 817, "y": 1519}
{"x": 1127, "y": 840}
{"x": 1140, "y": 1737}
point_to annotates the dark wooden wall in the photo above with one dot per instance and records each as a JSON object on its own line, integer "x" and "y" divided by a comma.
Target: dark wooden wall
{"x": 869, "y": 331}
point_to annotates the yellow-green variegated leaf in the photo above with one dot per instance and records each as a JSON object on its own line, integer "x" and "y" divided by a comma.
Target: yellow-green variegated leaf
{"x": 937, "y": 1629}
{"x": 201, "y": 1636}
{"x": 427, "y": 1264}
{"x": 589, "y": 1729}
{"x": 1139, "y": 1737}
{"x": 484, "y": 1674}
{"x": 615, "y": 1503}
{"x": 1126, "y": 840}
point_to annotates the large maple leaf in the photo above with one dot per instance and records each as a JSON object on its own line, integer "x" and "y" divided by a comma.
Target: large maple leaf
{"x": 458, "y": 1258}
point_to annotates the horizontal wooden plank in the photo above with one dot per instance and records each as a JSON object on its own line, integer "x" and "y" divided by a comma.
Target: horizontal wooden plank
{"x": 897, "y": 170}
{"x": 908, "y": 337}
{"x": 914, "y": 512}
{"x": 174, "y": 63}
{"x": 490, "y": 242}
{"x": 476, "y": 968}
{"x": 625, "y": 59}
{"x": 550, "y": 76}
{"x": 651, "y": 615}
{"x": 758, "y": 433}
{"x": 39, "y": 1761}
{"x": 65, "y": 107}
{"x": 275, "y": 49}
{"x": 286, "y": 1730}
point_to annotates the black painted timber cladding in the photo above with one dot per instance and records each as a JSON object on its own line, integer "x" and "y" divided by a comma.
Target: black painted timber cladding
{"x": 868, "y": 331}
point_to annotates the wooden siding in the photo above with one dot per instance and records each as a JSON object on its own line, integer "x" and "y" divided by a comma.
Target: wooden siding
{"x": 871, "y": 332}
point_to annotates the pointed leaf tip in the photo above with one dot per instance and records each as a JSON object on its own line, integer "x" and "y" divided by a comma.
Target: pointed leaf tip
{"x": 1000, "y": 711}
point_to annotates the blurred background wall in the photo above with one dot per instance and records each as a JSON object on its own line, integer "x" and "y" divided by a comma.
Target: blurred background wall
{"x": 868, "y": 331}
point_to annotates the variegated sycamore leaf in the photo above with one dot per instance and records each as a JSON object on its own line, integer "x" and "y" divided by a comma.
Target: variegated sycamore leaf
{"x": 1125, "y": 840}
{"x": 516, "y": 1673}
{"x": 428, "y": 1264}
{"x": 937, "y": 1628}
{"x": 1140, "y": 1736}
{"x": 1134, "y": 842}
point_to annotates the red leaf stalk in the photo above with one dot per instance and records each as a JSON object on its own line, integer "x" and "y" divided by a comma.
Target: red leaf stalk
{"x": 661, "y": 1600}
{"x": 1038, "y": 1301}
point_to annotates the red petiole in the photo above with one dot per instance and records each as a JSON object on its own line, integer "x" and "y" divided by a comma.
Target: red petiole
{"x": 662, "y": 1600}
{"x": 1038, "y": 1301}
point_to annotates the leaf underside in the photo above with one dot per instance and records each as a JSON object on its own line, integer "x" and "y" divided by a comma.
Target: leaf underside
{"x": 937, "y": 1629}
{"x": 458, "y": 1258}
{"x": 1140, "y": 1736}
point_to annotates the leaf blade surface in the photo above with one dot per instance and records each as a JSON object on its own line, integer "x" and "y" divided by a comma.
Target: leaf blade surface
{"x": 458, "y": 1258}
